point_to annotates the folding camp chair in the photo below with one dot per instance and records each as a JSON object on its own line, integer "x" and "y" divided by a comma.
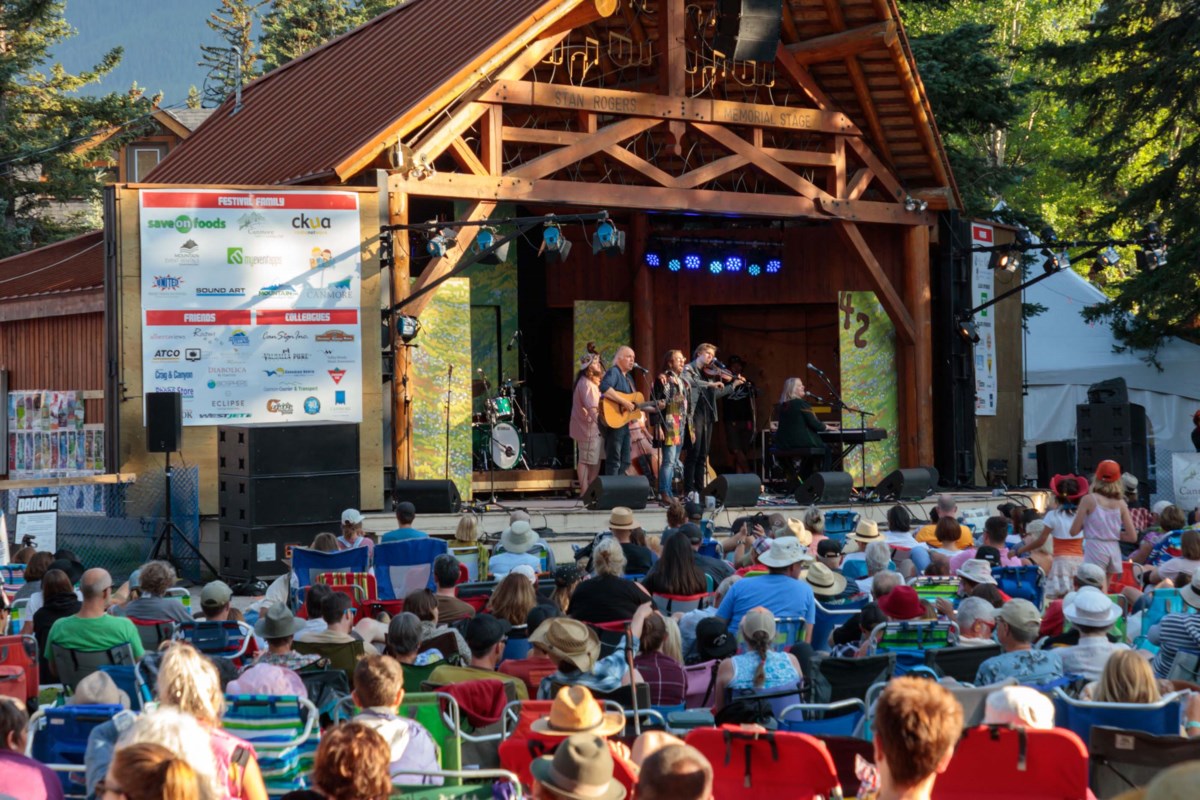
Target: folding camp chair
{"x": 20, "y": 654}
{"x": 827, "y": 620}
{"x": 477, "y": 593}
{"x": 367, "y": 589}
{"x": 467, "y": 791}
{"x": 404, "y": 567}
{"x": 973, "y": 699}
{"x": 520, "y": 744}
{"x": 516, "y": 649}
{"x": 415, "y": 675}
{"x": 1162, "y": 718}
{"x": 910, "y": 641}
{"x": 308, "y": 564}
{"x": 17, "y": 616}
{"x": 611, "y": 634}
{"x": 1162, "y": 602}
{"x": 844, "y": 750}
{"x": 701, "y": 679}
{"x": 285, "y": 734}
{"x": 936, "y": 587}
{"x": 439, "y": 713}
{"x": 1027, "y": 581}
{"x": 824, "y": 719}
{"x": 960, "y": 663}
{"x": 129, "y": 680}
{"x": 338, "y": 655}
{"x": 73, "y": 666}
{"x": 683, "y": 603}
{"x": 1170, "y": 546}
{"x": 12, "y": 576}
{"x": 788, "y": 631}
{"x": 474, "y": 557}
{"x": 1121, "y": 759}
{"x": 1015, "y": 762}
{"x": 540, "y": 550}
{"x": 837, "y": 679}
{"x": 752, "y": 763}
{"x": 153, "y": 632}
{"x": 216, "y": 638}
{"x": 58, "y": 739}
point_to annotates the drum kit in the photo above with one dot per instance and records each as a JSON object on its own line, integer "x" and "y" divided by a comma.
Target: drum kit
{"x": 497, "y": 441}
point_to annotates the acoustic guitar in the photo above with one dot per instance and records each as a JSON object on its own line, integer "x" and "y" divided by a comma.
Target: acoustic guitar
{"x": 616, "y": 417}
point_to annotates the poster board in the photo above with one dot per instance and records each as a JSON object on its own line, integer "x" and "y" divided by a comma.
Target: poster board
{"x": 982, "y": 290}
{"x": 37, "y": 517}
{"x": 867, "y": 349}
{"x": 1185, "y": 469}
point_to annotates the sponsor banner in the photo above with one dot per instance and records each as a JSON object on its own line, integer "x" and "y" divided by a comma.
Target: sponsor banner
{"x": 985, "y": 323}
{"x": 251, "y": 303}
{"x": 1186, "y": 468}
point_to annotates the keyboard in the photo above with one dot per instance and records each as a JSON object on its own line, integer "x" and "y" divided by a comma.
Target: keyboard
{"x": 853, "y": 435}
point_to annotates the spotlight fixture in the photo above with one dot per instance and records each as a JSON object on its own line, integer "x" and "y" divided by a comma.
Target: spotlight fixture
{"x": 913, "y": 204}
{"x": 1051, "y": 263}
{"x": 1004, "y": 260}
{"x": 1048, "y": 235}
{"x": 653, "y": 259}
{"x": 691, "y": 262}
{"x": 608, "y": 240}
{"x": 1108, "y": 257}
{"x": 440, "y": 243}
{"x": 754, "y": 270}
{"x": 484, "y": 240}
{"x": 716, "y": 266}
{"x": 674, "y": 265}
{"x": 734, "y": 264}
{"x": 555, "y": 246}
{"x": 1024, "y": 238}
{"x": 965, "y": 328}
{"x": 1150, "y": 260}
{"x": 407, "y": 327}
{"x": 1151, "y": 232}
{"x": 774, "y": 265}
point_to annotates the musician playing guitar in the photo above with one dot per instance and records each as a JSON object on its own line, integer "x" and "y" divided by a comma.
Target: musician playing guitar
{"x": 705, "y": 386}
{"x": 616, "y": 386}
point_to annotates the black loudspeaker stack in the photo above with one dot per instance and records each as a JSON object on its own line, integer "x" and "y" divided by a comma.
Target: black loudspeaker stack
{"x": 609, "y": 491}
{"x": 825, "y": 487}
{"x": 1114, "y": 431}
{"x": 281, "y": 485}
{"x": 735, "y": 490}
{"x": 1054, "y": 458}
{"x": 164, "y": 421}
{"x": 748, "y": 30}
{"x": 428, "y": 496}
{"x": 907, "y": 484}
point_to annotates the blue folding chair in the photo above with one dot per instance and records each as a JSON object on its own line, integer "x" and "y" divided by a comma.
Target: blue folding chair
{"x": 1161, "y": 718}
{"x": 540, "y": 550}
{"x": 402, "y": 568}
{"x": 1162, "y": 602}
{"x": 219, "y": 638}
{"x": 308, "y": 564}
{"x": 788, "y": 631}
{"x": 1028, "y": 582}
{"x": 516, "y": 649}
{"x": 824, "y": 719}
{"x": 58, "y": 739}
{"x": 1168, "y": 547}
{"x": 827, "y": 620}
{"x": 129, "y": 680}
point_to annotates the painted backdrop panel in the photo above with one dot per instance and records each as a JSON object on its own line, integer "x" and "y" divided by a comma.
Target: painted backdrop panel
{"x": 867, "y": 343}
{"x": 445, "y": 342}
{"x": 603, "y": 322}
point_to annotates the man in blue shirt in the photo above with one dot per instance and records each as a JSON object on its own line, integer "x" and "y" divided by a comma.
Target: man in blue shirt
{"x": 614, "y": 383}
{"x": 781, "y": 591}
{"x": 1016, "y": 629}
{"x": 406, "y": 512}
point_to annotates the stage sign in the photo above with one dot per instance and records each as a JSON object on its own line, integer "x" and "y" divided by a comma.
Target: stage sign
{"x": 1186, "y": 469}
{"x": 867, "y": 345}
{"x": 251, "y": 304}
{"x": 985, "y": 322}
{"x": 37, "y": 517}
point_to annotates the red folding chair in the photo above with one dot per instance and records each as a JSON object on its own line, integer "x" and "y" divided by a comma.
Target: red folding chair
{"x": 364, "y": 580}
{"x": 19, "y": 653}
{"x": 996, "y": 761}
{"x": 751, "y": 762}
{"x": 523, "y": 745}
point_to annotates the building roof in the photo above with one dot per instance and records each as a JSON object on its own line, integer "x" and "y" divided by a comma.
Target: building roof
{"x": 190, "y": 118}
{"x": 303, "y": 120}
{"x": 71, "y": 265}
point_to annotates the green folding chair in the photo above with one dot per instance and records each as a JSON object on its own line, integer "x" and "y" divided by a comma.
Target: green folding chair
{"x": 910, "y": 640}
{"x": 343, "y": 656}
{"x": 460, "y": 791}
{"x": 427, "y": 709}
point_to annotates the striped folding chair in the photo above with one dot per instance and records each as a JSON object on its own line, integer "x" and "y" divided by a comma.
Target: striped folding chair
{"x": 285, "y": 734}
{"x": 364, "y": 584}
{"x": 308, "y": 564}
{"x": 219, "y": 638}
{"x": 670, "y": 603}
{"x": 406, "y": 566}
{"x": 910, "y": 640}
{"x": 936, "y": 587}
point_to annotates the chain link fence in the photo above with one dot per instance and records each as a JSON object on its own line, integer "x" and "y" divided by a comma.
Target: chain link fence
{"x": 116, "y": 525}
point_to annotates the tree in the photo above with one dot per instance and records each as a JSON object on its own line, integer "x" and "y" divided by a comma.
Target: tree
{"x": 231, "y": 65}
{"x": 293, "y": 27}
{"x": 1136, "y": 78}
{"x": 193, "y": 97}
{"x": 46, "y": 126}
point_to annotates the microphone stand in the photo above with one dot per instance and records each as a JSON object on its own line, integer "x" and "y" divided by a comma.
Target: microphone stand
{"x": 449, "y": 375}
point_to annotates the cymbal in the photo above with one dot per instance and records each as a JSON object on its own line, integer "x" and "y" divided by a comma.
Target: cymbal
{"x": 513, "y": 383}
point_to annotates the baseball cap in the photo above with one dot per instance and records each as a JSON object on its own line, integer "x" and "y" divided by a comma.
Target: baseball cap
{"x": 692, "y": 531}
{"x": 1091, "y": 575}
{"x": 484, "y": 630}
{"x": 352, "y": 516}
{"x": 693, "y": 510}
{"x": 215, "y": 594}
{"x": 829, "y": 547}
{"x": 758, "y": 620}
{"x": 1108, "y": 471}
{"x": 989, "y": 554}
{"x": 1020, "y": 613}
{"x": 1160, "y": 506}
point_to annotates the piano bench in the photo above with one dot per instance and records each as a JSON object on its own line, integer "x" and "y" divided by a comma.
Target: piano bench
{"x": 797, "y": 452}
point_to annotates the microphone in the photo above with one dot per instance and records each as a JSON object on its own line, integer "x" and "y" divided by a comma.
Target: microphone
{"x": 513, "y": 340}
{"x": 719, "y": 364}
{"x": 816, "y": 370}
{"x": 640, "y": 368}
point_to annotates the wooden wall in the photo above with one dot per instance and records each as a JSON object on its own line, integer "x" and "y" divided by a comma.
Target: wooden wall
{"x": 62, "y": 353}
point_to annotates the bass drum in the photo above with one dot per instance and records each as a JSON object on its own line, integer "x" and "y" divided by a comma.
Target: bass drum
{"x": 506, "y": 446}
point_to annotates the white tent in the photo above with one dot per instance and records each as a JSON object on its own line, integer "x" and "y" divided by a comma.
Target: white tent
{"x": 1065, "y": 355}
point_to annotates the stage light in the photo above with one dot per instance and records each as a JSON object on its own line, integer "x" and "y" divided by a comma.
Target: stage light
{"x": 716, "y": 267}
{"x": 555, "y": 246}
{"x": 608, "y": 240}
{"x": 1051, "y": 262}
{"x": 1004, "y": 260}
{"x": 1108, "y": 257}
{"x": 407, "y": 327}
{"x": 691, "y": 261}
{"x": 773, "y": 266}
{"x": 674, "y": 265}
{"x": 652, "y": 259}
{"x": 754, "y": 269}
{"x": 1150, "y": 260}
{"x": 485, "y": 239}
{"x": 440, "y": 243}
{"x": 1024, "y": 238}
{"x": 913, "y": 204}
{"x": 1048, "y": 235}
{"x": 734, "y": 264}
{"x": 965, "y": 328}
{"x": 1151, "y": 233}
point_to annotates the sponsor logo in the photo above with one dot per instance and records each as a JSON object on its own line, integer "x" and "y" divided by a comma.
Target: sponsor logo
{"x": 234, "y": 255}
{"x": 225, "y": 416}
{"x": 277, "y": 290}
{"x": 250, "y": 221}
{"x": 278, "y": 407}
{"x": 237, "y": 256}
{"x": 192, "y": 354}
{"x": 168, "y": 337}
{"x": 295, "y": 387}
{"x": 283, "y": 336}
{"x": 338, "y": 358}
{"x": 339, "y": 397}
{"x": 312, "y": 405}
{"x": 308, "y": 224}
{"x": 229, "y": 403}
{"x": 319, "y": 259}
{"x": 166, "y": 355}
{"x": 239, "y": 338}
{"x": 188, "y": 254}
{"x": 183, "y": 223}
{"x": 339, "y": 290}
{"x": 335, "y": 336}
{"x": 172, "y": 375}
{"x": 204, "y": 333}
{"x": 286, "y": 354}
{"x": 238, "y": 384}
{"x": 280, "y": 372}
{"x": 183, "y": 391}
{"x": 167, "y": 283}
{"x": 337, "y": 375}
{"x": 226, "y": 371}
{"x": 232, "y": 291}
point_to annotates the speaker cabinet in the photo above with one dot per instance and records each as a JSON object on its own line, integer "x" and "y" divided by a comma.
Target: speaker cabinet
{"x": 285, "y": 499}
{"x": 1110, "y": 422}
{"x": 907, "y": 484}
{"x": 829, "y": 488}
{"x": 429, "y": 496}
{"x": 734, "y": 490}
{"x": 609, "y": 491}
{"x": 287, "y": 449}
{"x": 164, "y": 421}
{"x": 258, "y": 552}
{"x": 748, "y": 30}
{"x": 1054, "y": 458}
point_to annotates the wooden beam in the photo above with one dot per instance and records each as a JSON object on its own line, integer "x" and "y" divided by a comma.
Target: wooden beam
{"x": 640, "y": 165}
{"x": 491, "y": 140}
{"x": 924, "y": 121}
{"x": 888, "y": 296}
{"x": 919, "y": 302}
{"x": 465, "y": 156}
{"x": 882, "y": 173}
{"x": 802, "y": 158}
{"x": 61, "y": 304}
{"x": 549, "y": 163}
{"x": 540, "y": 136}
{"x": 401, "y": 388}
{"x": 939, "y": 199}
{"x": 711, "y": 171}
{"x": 438, "y": 267}
{"x": 858, "y": 183}
{"x": 870, "y": 211}
{"x": 843, "y": 44}
{"x": 638, "y": 104}
{"x": 833, "y": 8}
{"x": 757, "y": 158}
{"x": 799, "y": 77}
{"x": 585, "y": 13}
{"x": 837, "y": 178}
{"x": 672, "y": 62}
{"x": 442, "y": 137}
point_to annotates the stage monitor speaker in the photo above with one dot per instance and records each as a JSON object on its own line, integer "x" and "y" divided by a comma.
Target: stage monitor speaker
{"x": 830, "y": 488}
{"x": 734, "y": 490}
{"x": 609, "y": 491}
{"x": 429, "y": 496}
{"x": 907, "y": 484}
{"x": 1054, "y": 458}
{"x": 748, "y": 30}
{"x": 164, "y": 421}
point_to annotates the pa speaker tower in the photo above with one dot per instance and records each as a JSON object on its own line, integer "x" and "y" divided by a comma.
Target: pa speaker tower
{"x": 609, "y": 491}
{"x": 748, "y": 30}
{"x": 164, "y": 421}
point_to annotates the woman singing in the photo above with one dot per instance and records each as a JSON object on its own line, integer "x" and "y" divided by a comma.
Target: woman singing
{"x": 669, "y": 389}
{"x": 798, "y": 428}
{"x": 585, "y": 409}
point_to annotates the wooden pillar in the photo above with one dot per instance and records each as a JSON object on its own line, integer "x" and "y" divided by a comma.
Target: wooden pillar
{"x": 920, "y": 361}
{"x": 398, "y": 286}
{"x": 642, "y": 305}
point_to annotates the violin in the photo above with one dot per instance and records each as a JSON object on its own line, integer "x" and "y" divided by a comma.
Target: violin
{"x": 717, "y": 371}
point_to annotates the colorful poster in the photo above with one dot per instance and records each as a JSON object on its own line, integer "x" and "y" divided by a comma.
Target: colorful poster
{"x": 606, "y": 325}
{"x": 982, "y": 282}
{"x": 1186, "y": 469}
{"x": 47, "y": 435}
{"x": 251, "y": 304}
{"x": 867, "y": 345}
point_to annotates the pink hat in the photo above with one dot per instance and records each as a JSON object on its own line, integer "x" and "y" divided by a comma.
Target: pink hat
{"x": 268, "y": 679}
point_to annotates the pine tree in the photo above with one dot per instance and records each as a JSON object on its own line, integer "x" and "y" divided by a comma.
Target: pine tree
{"x": 193, "y": 97}
{"x": 46, "y": 126}
{"x": 232, "y": 64}
{"x": 293, "y": 27}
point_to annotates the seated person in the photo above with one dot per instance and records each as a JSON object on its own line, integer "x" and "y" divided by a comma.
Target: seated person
{"x": 92, "y": 628}
{"x": 759, "y": 668}
{"x": 537, "y": 660}
{"x": 154, "y": 580}
{"x": 668, "y": 684}
{"x": 608, "y": 597}
{"x": 798, "y": 431}
{"x": 445, "y": 575}
{"x": 575, "y": 649}
{"x": 379, "y": 692}
{"x": 976, "y": 620}
{"x": 406, "y": 515}
{"x": 279, "y": 628}
{"x": 581, "y": 767}
{"x": 831, "y": 588}
{"x": 338, "y": 612}
{"x": 1023, "y": 706}
{"x": 995, "y": 534}
{"x": 947, "y": 506}
{"x": 1093, "y": 614}
{"x": 1187, "y": 564}
{"x": 780, "y": 591}
{"x": 690, "y": 622}
{"x": 423, "y": 603}
{"x": 917, "y": 725}
{"x": 1173, "y": 633}
{"x": 1016, "y": 629}
{"x": 675, "y": 772}
{"x": 516, "y": 540}
{"x": 869, "y": 618}
{"x": 485, "y": 636}
{"x": 623, "y": 526}
{"x": 314, "y": 596}
{"x": 23, "y": 777}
